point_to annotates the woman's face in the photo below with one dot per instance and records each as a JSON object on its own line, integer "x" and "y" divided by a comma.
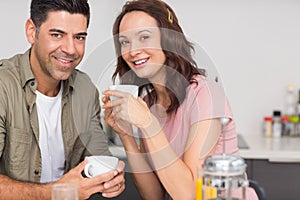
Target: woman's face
{"x": 140, "y": 41}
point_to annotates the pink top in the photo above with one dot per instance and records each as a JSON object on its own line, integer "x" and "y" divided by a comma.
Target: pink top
{"x": 205, "y": 100}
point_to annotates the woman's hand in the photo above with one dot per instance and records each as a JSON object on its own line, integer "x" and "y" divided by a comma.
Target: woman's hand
{"x": 122, "y": 128}
{"x": 125, "y": 108}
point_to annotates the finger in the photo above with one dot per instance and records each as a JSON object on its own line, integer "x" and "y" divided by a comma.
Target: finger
{"x": 108, "y": 194}
{"x": 104, "y": 177}
{"x": 142, "y": 101}
{"x": 114, "y": 188}
{"x": 115, "y": 93}
{"x": 120, "y": 166}
{"x": 107, "y": 112}
{"x": 112, "y": 103}
{"x": 105, "y": 99}
{"x": 118, "y": 179}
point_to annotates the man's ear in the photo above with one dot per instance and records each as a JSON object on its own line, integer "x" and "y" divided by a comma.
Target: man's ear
{"x": 30, "y": 31}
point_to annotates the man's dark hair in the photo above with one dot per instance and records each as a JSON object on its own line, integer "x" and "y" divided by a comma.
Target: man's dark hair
{"x": 39, "y": 9}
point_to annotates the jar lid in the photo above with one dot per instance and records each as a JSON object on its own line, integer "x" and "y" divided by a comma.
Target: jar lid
{"x": 224, "y": 165}
{"x": 294, "y": 119}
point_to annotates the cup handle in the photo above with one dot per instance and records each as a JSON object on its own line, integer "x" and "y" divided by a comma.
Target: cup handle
{"x": 86, "y": 170}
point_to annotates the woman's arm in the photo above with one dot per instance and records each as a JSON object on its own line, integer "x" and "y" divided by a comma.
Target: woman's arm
{"x": 144, "y": 178}
{"x": 179, "y": 176}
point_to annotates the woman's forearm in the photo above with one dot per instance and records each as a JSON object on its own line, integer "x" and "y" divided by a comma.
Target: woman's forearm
{"x": 176, "y": 177}
{"x": 145, "y": 179}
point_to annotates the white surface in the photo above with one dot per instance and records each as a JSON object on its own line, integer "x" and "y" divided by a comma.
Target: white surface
{"x": 285, "y": 149}
{"x": 254, "y": 44}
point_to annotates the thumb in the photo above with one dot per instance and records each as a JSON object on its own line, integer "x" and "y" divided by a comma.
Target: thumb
{"x": 80, "y": 167}
{"x": 141, "y": 101}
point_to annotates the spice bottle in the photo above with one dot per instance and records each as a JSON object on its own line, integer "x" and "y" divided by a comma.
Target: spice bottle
{"x": 267, "y": 126}
{"x": 294, "y": 120}
{"x": 277, "y": 126}
{"x": 286, "y": 130}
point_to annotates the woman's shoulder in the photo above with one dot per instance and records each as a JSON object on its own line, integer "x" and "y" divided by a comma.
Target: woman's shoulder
{"x": 202, "y": 83}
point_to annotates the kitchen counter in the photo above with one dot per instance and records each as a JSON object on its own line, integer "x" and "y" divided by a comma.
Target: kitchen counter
{"x": 284, "y": 149}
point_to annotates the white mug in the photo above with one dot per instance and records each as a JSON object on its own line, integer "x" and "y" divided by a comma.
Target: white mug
{"x": 97, "y": 165}
{"x": 132, "y": 89}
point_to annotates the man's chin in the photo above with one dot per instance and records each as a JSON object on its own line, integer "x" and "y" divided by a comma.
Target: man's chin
{"x": 62, "y": 76}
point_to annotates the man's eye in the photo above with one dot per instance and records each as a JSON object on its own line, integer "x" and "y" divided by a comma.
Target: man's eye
{"x": 81, "y": 38}
{"x": 56, "y": 35}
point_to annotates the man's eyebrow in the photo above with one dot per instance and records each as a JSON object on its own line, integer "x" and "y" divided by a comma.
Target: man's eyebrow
{"x": 63, "y": 32}
{"x": 57, "y": 30}
{"x": 82, "y": 33}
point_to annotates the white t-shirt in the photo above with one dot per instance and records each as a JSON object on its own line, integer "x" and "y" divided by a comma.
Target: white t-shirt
{"x": 50, "y": 138}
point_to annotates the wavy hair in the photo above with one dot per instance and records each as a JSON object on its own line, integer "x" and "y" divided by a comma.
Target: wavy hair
{"x": 177, "y": 49}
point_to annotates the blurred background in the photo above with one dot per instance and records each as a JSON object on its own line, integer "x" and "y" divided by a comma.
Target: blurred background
{"x": 254, "y": 46}
{"x": 251, "y": 45}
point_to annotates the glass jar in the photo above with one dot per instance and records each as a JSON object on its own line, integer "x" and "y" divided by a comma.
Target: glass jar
{"x": 224, "y": 178}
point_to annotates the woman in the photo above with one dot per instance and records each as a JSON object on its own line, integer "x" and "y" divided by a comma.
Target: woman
{"x": 178, "y": 112}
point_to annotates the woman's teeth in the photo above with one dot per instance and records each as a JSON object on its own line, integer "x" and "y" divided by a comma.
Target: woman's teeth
{"x": 140, "y": 61}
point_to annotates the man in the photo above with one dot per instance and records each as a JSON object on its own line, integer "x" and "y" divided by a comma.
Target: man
{"x": 49, "y": 112}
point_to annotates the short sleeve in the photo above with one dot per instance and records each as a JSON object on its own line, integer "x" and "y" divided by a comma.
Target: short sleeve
{"x": 207, "y": 100}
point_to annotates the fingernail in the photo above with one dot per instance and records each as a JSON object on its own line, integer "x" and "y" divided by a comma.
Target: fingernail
{"x": 104, "y": 194}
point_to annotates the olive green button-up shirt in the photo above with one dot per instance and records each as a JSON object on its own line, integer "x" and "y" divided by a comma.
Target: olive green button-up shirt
{"x": 20, "y": 155}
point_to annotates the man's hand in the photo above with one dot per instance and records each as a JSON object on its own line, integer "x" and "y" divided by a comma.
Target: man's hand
{"x": 110, "y": 184}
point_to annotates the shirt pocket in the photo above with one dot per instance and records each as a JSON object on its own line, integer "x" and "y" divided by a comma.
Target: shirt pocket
{"x": 17, "y": 148}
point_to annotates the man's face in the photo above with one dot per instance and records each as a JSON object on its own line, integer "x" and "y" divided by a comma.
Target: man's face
{"x": 59, "y": 46}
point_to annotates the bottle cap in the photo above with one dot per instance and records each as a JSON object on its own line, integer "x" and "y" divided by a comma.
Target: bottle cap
{"x": 285, "y": 119}
{"x": 268, "y": 118}
{"x": 294, "y": 119}
{"x": 276, "y": 113}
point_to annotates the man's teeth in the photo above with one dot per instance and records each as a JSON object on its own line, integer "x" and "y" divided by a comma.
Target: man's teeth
{"x": 140, "y": 62}
{"x": 64, "y": 61}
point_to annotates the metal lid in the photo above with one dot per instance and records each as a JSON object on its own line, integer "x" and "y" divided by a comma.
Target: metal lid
{"x": 224, "y": 165}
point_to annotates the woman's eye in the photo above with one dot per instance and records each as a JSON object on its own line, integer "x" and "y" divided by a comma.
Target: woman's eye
{"x": 124, "y": 42}
{"x": 145, "y": 37}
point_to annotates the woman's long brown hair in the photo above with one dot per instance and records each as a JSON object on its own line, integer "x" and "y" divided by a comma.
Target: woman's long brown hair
{"x": 177, "y": 49}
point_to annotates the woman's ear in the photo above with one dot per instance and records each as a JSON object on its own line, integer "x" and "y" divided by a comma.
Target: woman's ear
{"x": 30, "y": 31}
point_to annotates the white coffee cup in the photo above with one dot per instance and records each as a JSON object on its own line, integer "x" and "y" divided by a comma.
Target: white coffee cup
{"x": 97, "y": 165}
{"x": 132, "y": 89}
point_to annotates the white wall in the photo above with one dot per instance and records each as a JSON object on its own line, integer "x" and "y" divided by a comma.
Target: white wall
{"x": 254, "y": 45}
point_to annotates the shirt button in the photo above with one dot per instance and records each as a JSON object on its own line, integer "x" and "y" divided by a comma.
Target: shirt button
{"x": 36, "y": 172}
{"x": 32, "y": 83}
